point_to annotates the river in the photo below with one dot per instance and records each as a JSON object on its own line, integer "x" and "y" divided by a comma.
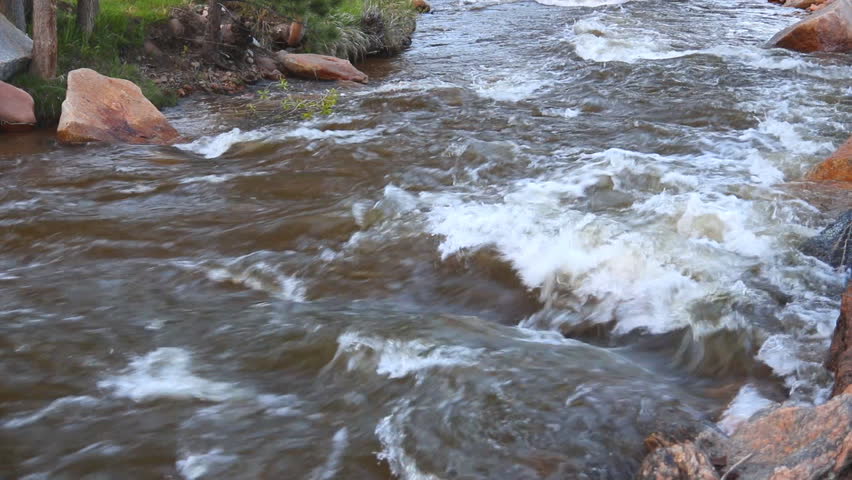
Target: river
{"x": 543, "y": 232}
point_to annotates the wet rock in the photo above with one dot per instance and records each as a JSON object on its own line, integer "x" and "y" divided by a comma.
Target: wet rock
{"x": 837, "y": 167}
{"x": 17, "y": 109}
{"x": 795, "y": 442}
{"x": 677, "y": 462}
{"x": 819, "y": 5}
{"x": 100, "y": 108}
{"x": 422, "y": 6}
{"x": 15, "y": 49}
{"x": 834, "y": 244}
{"x": 319, "y": 67}
{"x": 801, "y": 3}
{"x": 828, "y": 30}
{"x": 840, "y": 354}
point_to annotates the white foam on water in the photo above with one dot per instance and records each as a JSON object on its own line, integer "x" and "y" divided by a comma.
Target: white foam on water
{"x": 623, "y": 273}
{"x": 747, "y": 402}
{"x": 722, "y": 221}
{"x": 598, "y": 42}
{"x": 217, "y": 145}
{"x": 581, "y": 3}
{"x": 343, "y": 137}
{"x": 511, "y": 86}
{"x": 392, "y": 437}
{"x": 329, "y": 470}
{"x": 138, "y": 189}
{"x": 423, "y": 85}
{"x": 214, "y": 179}
{"x": 57, "y": 406}
{"x": 399, "y": 358}
{"x": 167, "y": 373}
{"x": 260, "y": 275}
{"x": 775, "y": 352}
{"x": 281, "y": 405}
{"x": 263, "y": 277}
{"x": 790, "y": 138}
{"x": 197, "y": 465}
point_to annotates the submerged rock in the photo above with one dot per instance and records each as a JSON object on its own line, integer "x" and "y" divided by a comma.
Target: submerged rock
{"x": 320, "y": 67}
{"x": 15, "y": 49}
{"x": 828, "y": 30}
{"x": 17, "y": 109}
{"x": 834, "y": 244}
{"x": 837, "y": 167}
{"x": 840, "y": 355}
{"x": 100, "y": 108}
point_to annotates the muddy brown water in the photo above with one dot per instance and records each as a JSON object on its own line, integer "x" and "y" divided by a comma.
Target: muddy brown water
{"x": 538, "y": 235}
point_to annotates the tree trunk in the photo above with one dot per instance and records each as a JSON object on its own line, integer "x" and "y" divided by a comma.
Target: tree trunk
{"x": 15, "y": 12}
{"x": 45, "y": 43}
{"x": 213, "y": 33}
{"x": 87, "y": 11}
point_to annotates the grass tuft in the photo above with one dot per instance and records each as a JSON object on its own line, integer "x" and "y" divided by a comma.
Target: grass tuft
{"x": 363, "y": 27}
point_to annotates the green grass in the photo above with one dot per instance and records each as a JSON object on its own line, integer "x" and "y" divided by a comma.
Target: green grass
{"x": 357, "y": 28}
{"x": 119, "y": 30}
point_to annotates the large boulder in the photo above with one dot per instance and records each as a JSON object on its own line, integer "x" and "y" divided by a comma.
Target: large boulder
{"x": 834, "y": 244}
{"x": 15, "y": 49}
{"x": 782, "y": 443}
{"x": 17, "y": 109}
{"x": 837, "y": 167}
{"x": 319, "y": 67}
{"x": 840, "y": 355}
{"x": 100, "y": 108}
{"x": 791, "y": 443}
{"x": 827, "y": 30}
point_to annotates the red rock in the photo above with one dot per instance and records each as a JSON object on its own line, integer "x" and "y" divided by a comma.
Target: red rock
{"x": 320, "y": 67}
{"x": 677, "y": 462}
{"x": 17, "y": 109}
{"x": 801, "y": 3}
{"x": 422, "y": 6}
{"x": 837, "y": 167}
{"x": 840, "y": 354}
{"x": 795, "y": 442}
{"x": 820, "y": 5}
{"x": 828, "y": 30}
{"x": 100, "y": 108}
{"x": 295, "y": 34}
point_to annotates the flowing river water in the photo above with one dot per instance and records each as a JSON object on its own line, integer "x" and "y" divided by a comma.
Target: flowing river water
{"x": 543, "y": 232}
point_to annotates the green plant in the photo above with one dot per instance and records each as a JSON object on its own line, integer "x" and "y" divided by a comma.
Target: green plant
{"x": 264, "y": 94}
{"x": 283, "y": 84}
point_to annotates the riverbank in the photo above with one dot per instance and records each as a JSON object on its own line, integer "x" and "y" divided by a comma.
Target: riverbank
{"x": 385, "y": 292}
{"x": 158, "y": 45}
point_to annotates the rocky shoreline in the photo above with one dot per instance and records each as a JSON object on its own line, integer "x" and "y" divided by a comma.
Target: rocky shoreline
{"x": 255, "y": 45}
{"x": 789, "y": 442}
